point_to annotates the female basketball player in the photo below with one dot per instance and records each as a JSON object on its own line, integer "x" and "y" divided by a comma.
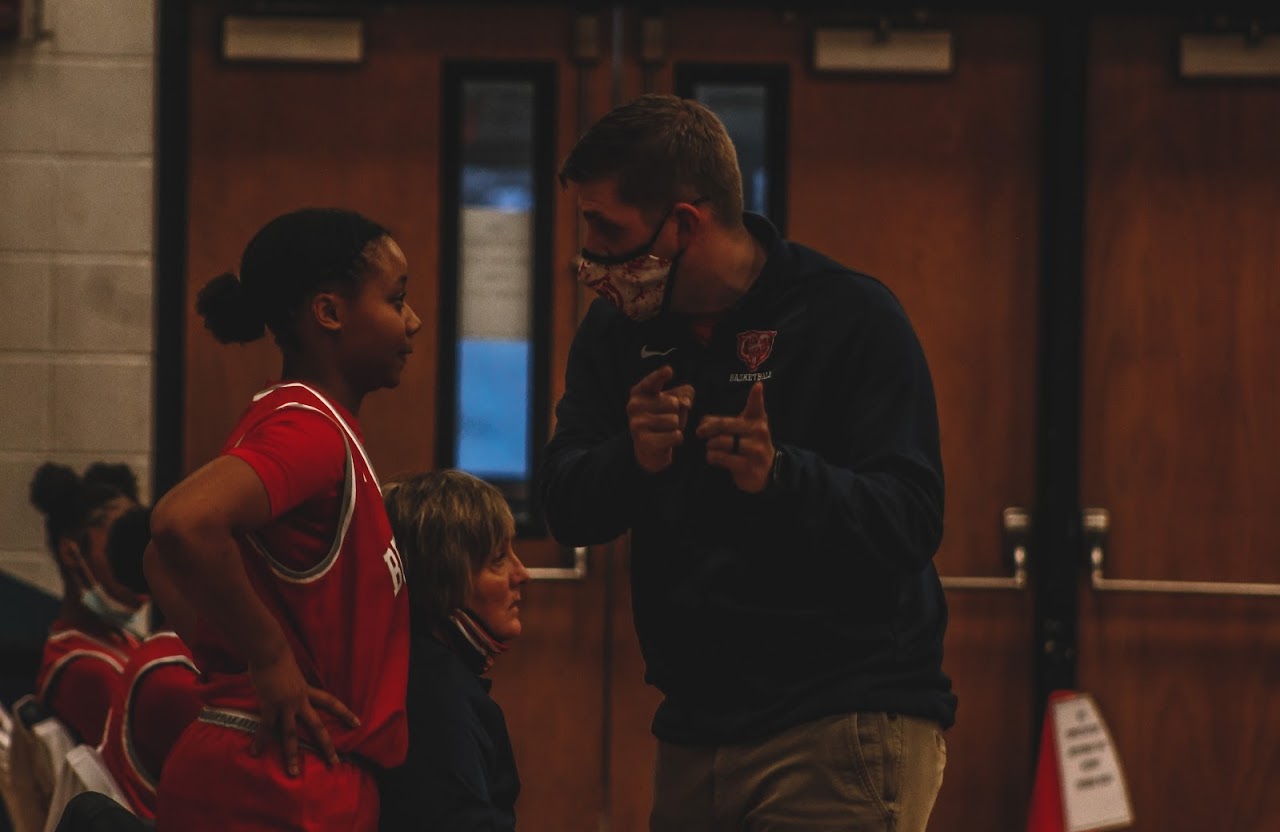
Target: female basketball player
{"x": 282, "y": 546}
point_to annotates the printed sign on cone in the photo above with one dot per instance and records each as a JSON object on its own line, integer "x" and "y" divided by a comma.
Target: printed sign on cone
{"x": 1079, "y": 785}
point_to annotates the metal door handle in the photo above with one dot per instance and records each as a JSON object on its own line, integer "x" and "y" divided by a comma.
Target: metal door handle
{"x": 1096, "y": 524}
{"x": 577, "y": 571}
{"x": 1017, "y": 531}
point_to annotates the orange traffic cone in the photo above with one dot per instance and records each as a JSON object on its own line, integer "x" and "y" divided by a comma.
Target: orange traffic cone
{"x": 1046, "y": 813}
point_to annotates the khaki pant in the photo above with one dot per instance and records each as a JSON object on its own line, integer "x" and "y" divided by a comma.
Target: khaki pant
{"x": 861, "y": 771}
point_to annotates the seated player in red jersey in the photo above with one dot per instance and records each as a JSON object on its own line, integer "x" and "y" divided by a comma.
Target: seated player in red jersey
{"x": 282, "y": 547}
{"x": 158, "y": 697}
{"x": 89, "y": 643}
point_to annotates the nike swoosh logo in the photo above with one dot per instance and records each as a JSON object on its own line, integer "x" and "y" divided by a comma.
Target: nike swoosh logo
{"x": 645, "y": 352}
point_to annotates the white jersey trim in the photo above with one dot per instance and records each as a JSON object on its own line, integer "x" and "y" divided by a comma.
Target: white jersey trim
{"x": 62, "y": 635}
{"x": 333, "y": 411}
{"x": 346, "y": 509}
{"x": 61, "y": 664}
{"x": 145, "y": 777}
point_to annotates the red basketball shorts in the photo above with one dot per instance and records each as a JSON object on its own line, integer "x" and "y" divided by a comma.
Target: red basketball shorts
{"x": 210, "y": 782}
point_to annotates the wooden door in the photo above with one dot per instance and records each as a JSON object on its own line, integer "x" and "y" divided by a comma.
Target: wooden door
{"x": 930, "y": 184}
{"x": 1179, "y": 441}
{"x": 269, "y": 138}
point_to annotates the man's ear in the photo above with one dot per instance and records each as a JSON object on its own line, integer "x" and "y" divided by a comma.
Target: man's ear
{"x": 326, "y": 308}
{"x": 689, "y": 222}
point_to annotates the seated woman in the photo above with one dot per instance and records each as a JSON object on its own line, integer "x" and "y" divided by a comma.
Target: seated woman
{"x": 90, "y": 641}
{"x": 158, "y": 698}
{"x": 455, "y": 534}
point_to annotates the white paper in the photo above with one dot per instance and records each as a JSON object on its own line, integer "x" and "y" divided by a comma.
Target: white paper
{"x": 1094, "y": 794}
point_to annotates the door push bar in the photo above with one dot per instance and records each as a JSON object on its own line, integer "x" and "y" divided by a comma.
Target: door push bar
{"x": 1017, "y": 531}
{"x": 1017, "y": 528}
{"x": 576, "y": 571}
{"x": 1096, "y": 524}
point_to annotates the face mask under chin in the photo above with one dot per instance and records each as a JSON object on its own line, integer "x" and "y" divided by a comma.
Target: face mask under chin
{"x": 99, "y": 602}
{"x": 96, "y": 600}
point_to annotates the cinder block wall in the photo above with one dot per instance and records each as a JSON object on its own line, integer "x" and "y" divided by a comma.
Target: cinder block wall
{"x": 77, "y": 130}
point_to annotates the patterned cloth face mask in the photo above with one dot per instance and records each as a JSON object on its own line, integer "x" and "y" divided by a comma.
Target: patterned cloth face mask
{"x": 637, "y": 286}
{"x": 637, "y": 282}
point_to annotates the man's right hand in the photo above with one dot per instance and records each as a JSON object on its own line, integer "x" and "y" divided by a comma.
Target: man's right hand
{"x": 657, "y": 418}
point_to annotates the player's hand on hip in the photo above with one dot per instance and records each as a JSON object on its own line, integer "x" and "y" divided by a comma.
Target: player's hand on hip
{"x": 285, "y": 700}
{"x": 657, "y": 418}
{"x": 742, "y": 444}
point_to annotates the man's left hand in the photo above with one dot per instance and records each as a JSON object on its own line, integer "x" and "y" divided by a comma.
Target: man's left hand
{"x": 742, "y": 444}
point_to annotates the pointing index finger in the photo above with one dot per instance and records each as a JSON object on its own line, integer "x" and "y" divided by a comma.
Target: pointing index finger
{"x": 754, "y": 408}
{"x": 653, "y": 383}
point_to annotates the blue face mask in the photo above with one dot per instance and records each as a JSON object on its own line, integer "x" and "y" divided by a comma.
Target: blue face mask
{"x": 96, "y": 600}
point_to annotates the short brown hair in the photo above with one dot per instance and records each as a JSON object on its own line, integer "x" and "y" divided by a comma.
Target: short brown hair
{"x": 447, "y": 524}
{"x": 662, "y": 149}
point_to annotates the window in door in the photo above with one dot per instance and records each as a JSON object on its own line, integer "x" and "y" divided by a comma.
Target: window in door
{"x": 752, "y": 102}
{"x": 497, "y": 172}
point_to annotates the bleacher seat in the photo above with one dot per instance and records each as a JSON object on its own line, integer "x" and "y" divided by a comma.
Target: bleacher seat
{"x": 84, "y": 771}
{"x": 6, "y": 783}
{"x": 38, "y": 748}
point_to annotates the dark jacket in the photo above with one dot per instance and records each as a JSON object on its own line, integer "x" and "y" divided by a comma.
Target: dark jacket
{"x": 460, "y": 775}
{"x": 756, "y": 613}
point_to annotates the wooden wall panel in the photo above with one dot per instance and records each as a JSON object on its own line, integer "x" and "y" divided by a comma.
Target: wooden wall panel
{"x": 1182, "y": 297}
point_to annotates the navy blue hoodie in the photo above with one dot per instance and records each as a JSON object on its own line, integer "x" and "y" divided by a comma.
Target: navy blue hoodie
{"x": 758, "y": 612}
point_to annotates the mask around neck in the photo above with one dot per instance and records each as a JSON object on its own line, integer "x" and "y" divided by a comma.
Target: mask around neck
{"x": 97, "y": 601}
{"x": 486, "y": 645}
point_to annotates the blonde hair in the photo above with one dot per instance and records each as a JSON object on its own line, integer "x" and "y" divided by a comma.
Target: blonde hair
{"x": 447, "y": 524}
{"x": 662, "y": 149}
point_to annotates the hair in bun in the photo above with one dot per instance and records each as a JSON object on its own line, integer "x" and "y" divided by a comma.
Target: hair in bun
{"x": 288, "y": 261}
{"x": 227, "y": 312}
{"x": 54, "y": 488}
{"x": 117, "y": 475}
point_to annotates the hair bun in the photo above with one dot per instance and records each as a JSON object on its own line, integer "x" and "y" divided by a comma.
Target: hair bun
{"x": 54, "y": 487}
{"x": 227, "y": 312}
{"x": 117, "y": 475}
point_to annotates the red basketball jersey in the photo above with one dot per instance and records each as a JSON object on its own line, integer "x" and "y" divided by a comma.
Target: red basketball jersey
{"x": 80, "y": 674}
{"x": 329, "y": 570}
{"x": 157, "y": 702}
